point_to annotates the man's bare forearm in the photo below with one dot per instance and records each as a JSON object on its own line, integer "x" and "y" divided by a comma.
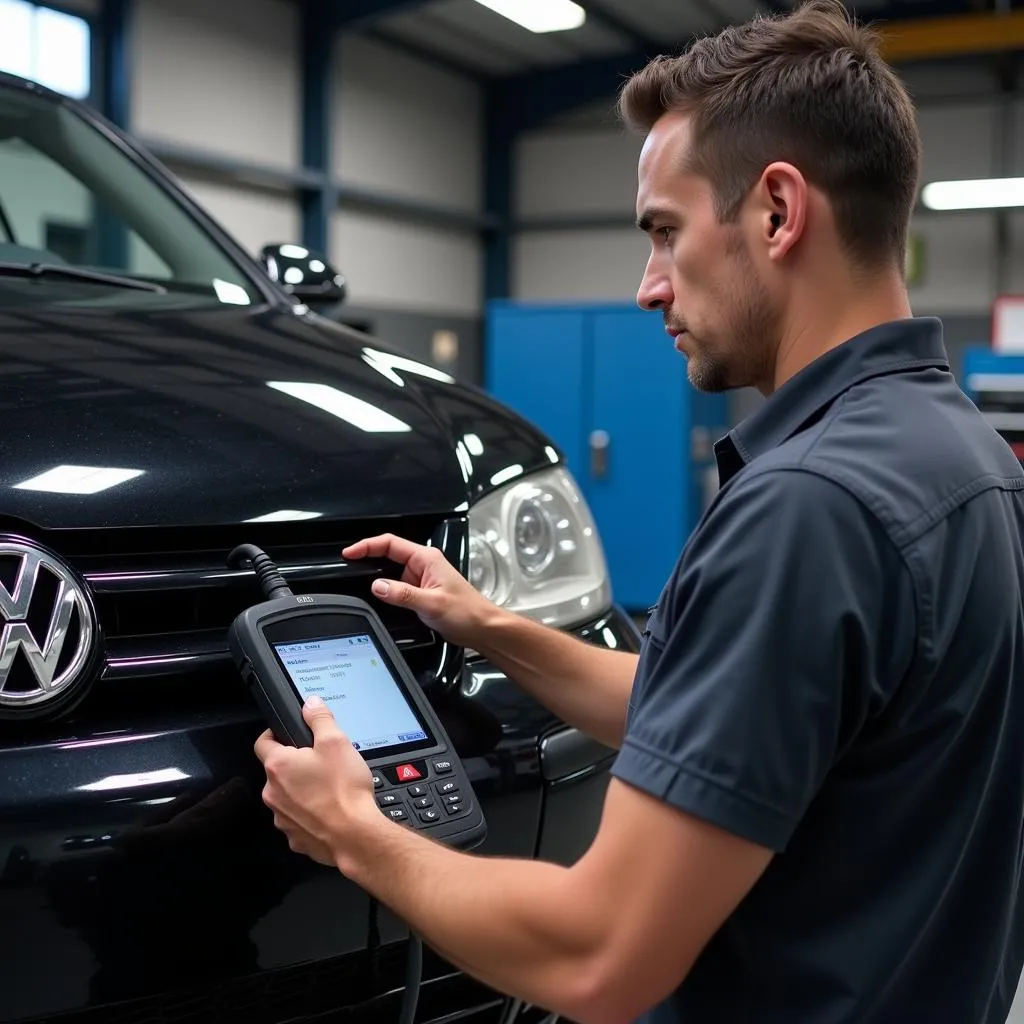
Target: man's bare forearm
{"x": 585, "y": 685}
{"x": 521, "y": 927}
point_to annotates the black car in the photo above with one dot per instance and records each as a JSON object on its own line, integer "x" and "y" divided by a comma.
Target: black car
{"x": 165, "y": 399}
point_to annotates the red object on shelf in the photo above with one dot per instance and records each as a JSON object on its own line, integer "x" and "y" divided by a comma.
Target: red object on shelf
{"x": 1008, "y": 324}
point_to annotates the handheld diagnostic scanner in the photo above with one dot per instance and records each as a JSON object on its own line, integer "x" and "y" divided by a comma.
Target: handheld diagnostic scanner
{"x": 291, "y": 647}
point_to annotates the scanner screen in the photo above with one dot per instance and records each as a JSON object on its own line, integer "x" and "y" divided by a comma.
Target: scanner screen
{"x": 354, "y": 681}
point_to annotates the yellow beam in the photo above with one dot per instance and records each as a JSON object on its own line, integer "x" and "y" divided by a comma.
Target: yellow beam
{"x": 953, "y": 36}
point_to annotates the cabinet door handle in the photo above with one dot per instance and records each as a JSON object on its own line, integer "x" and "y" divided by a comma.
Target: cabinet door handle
{"x": 599, "y": 444}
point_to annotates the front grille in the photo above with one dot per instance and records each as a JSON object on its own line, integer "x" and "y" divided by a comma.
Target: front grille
{"x": 353, "y": 990}
{"x": 166, "y": 609}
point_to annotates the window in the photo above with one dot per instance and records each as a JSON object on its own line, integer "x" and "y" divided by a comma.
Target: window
{"x": 70, "y": 197}
{"x": 44, "y": 207}
{"x": 47, "y": 46}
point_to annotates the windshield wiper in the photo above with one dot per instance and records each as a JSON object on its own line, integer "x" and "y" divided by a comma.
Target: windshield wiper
{"x": 79, "y": 274}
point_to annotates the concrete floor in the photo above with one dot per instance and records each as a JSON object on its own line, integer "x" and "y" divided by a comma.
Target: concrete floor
{"x": 1017, "y": 1010}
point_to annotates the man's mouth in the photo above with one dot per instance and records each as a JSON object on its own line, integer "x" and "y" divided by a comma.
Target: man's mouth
{"x": 679, "y": 336}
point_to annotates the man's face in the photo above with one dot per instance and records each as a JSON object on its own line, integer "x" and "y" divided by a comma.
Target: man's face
{"x": 701, "y": 274}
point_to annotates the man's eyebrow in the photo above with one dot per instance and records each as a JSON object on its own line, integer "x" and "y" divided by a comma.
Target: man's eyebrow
{"x": 646, "y": 220}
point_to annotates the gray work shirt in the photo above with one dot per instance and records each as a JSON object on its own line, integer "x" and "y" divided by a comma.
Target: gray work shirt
{"x": 836, "y": 671}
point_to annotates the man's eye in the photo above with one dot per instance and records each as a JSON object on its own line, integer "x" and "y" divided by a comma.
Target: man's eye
{"x": 666, "y": 234}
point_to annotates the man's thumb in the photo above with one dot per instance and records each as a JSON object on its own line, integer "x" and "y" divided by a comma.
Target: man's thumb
{"x": 319, "y": 718}
{"x": 393, "y": 592}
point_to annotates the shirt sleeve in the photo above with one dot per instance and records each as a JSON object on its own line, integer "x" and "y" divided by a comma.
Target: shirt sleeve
{"x": 790, "y": 620}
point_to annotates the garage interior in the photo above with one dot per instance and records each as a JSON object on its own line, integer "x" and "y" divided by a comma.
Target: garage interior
{"x": 467, "y": 177}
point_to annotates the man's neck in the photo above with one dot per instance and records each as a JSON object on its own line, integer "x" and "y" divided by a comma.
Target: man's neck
{"x": 835, "y": 315}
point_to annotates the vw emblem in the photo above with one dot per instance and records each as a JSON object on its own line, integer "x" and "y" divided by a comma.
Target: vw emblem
{"x": 48, "y": 620}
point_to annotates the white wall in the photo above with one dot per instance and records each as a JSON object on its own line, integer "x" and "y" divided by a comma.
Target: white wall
{"x": 404, "y": 127}
{"x": 255, "y": 218}
{"x": 225, "y": 77}
{"x": 575, "y": 170}
{"x": 407, "y": 129}
{"x": 411, "y": 267}
{"x": 222, "y": 76}
{"x": 580, "y": 265}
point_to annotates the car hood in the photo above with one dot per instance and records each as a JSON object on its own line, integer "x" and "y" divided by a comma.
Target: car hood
{"x": 226, "y": 415}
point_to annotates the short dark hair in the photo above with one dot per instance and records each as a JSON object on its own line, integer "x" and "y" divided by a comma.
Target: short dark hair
{"x": 809, "y": 87}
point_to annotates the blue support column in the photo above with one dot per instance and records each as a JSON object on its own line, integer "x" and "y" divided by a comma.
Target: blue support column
{"x": 499, "y": 190}
{"x": 112, "y": 88}
{"x": 112, "y": 45}
{"x": 319, "y": 200}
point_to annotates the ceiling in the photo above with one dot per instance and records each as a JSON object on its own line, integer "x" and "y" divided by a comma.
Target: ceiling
{"x": 471, "y": 38}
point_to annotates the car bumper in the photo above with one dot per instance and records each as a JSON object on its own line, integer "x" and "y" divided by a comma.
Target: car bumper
{"x": 141, "y": 878}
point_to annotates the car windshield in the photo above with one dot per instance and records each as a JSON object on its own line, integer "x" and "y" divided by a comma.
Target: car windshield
{"x": 81, "y": 223}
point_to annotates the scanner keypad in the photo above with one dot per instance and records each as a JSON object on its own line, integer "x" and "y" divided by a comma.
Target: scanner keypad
{"x": 419, "y": 793}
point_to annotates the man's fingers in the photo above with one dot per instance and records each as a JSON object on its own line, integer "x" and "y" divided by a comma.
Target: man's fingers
{"x": 398, "y": 549}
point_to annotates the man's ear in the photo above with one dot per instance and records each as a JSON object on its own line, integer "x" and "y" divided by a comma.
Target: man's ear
{"x": 782, "y": 196}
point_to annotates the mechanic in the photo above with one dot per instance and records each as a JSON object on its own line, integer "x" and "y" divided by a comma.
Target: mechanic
{"x": 815, "y": 812}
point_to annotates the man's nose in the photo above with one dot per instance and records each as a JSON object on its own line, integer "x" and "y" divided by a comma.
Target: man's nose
{"x": 655, "y": 292}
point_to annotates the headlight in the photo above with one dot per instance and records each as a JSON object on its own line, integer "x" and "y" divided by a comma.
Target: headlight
{"x": 534, "y": 549}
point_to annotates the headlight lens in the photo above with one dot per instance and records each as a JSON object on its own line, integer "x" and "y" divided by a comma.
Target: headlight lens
{"x": 534, "y": 537}
{"x": 534, "y": 549}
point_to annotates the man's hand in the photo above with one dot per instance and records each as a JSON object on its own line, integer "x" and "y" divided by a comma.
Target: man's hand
{"x": 431, "y": 586}
{"x": 321, "y": 796}
{"x": 583, "y": 684}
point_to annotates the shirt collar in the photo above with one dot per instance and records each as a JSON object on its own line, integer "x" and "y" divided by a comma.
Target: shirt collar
{"x": 897, "y": 347}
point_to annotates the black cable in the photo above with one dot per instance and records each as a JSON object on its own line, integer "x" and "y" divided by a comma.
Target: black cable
{"x": 512, "y": 1009}
{"x": 272, "y": 582}
{"x": 373, "y": 941}
{"x": 413, "y": 978}
{"x": 274, "y": 585}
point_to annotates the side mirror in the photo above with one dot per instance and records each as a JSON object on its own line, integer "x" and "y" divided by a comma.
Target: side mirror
{"x": 304, "y": 274}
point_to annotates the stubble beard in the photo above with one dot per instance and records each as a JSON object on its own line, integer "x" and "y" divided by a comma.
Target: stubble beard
{"x": 743, "y": 357}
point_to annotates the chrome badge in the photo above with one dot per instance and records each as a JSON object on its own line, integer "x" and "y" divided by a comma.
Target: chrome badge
{"x": 48, "y": 617}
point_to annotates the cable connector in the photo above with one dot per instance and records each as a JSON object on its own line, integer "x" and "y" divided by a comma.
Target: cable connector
{"x": 269, "y": 577}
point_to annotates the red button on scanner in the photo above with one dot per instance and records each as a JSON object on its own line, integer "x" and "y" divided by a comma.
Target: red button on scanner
{"x": 407, "y": 773}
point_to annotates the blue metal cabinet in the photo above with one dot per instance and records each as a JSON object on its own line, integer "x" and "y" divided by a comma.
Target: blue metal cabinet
{"x": 534, "y": 363}
{"x": 995, "y": 382}
{"x": 607, "y": 385}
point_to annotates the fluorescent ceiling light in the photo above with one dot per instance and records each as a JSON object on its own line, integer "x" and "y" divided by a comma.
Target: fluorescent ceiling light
{"x": 78, "y": 479}
{"x": 974, "y": 194}
{"x": 346, "y": 407}
{"x": 539, "y": 15}
{"x": 286, "y": 515}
